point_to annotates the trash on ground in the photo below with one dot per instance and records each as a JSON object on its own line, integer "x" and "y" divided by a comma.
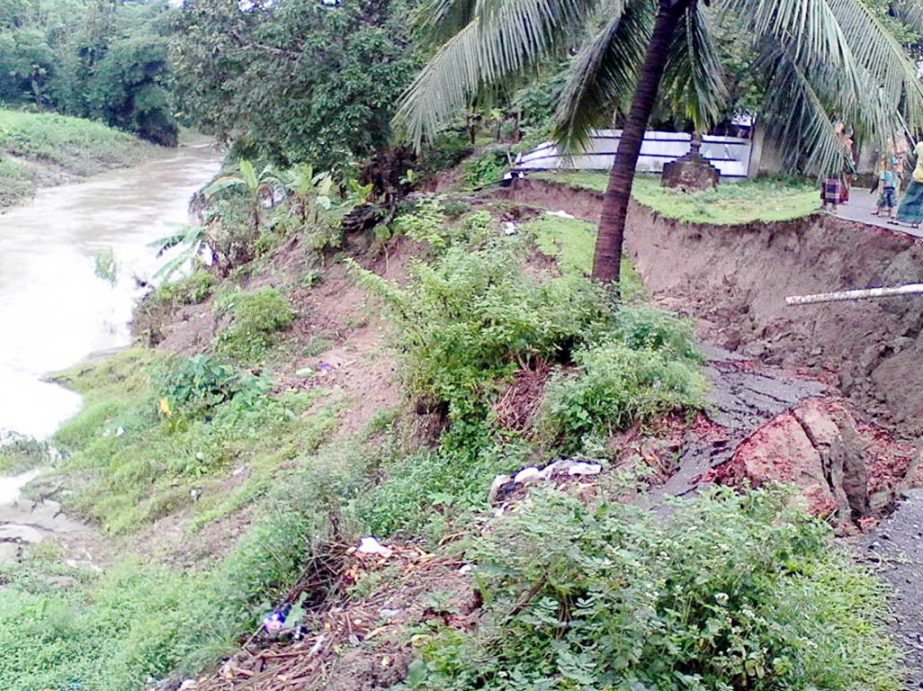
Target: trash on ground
{"x": 369, "y": 545}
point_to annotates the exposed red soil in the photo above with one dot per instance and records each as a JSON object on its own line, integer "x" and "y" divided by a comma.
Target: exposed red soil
{"x": 734, "y": 280}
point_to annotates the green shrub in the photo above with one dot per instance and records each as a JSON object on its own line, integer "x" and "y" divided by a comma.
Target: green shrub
{"x": 488, "y": 167}
{"x": 256, "y": 318}
{"x": 727, "y": 592}
{"x": 195, "y": 386}
{"x": 436, "y": 490}
{"x": 426, "y": 222}
{"x": 19, "y": 453}
{"x": 616, "y": 386}
{"x": 656, "y": 329}
{"x": 189, "y": 290}
{"x": 136, "y": 464}
{"x": 474, "y": 316}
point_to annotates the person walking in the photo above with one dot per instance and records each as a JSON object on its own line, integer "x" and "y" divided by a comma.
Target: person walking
{"x": 910, "y": 210}
{"x": 887, "y": 184}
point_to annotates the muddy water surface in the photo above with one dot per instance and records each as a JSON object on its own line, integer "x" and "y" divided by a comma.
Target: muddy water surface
{"x": 54, "y": 308}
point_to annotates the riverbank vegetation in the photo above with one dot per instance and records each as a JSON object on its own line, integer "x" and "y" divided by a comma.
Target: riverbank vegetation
{"x": 38, "y": 149}
{"x": 343, "y": 353}
{"x": 278, "y": 420}
{"x": 100, "y": 60}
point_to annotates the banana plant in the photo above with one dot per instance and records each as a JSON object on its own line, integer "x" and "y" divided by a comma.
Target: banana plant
{"x": 194, "y": 241}
{"x": 259, "y": 186}
{"x": 310, "y": 191}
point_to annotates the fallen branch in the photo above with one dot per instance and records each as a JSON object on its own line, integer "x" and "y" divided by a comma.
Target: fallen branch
{"x": 864, "y": 294}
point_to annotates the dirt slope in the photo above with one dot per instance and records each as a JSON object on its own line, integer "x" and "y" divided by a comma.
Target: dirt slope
{"x": 735, "y": 280}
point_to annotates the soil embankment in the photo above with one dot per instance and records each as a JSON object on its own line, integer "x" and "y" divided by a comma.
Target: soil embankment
{"x": 734, "y": 279}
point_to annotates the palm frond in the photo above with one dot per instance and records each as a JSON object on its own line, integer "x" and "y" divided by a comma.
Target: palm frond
{"x": 693, "y": 77}
{"x": 798, "y": 112}
{"x": 808, "y": 28}
{"x": 438, "y": 20}
{"x": 876, "y": 52}
{"x": 503, "y": 38}
{"x": 602, "y": 78}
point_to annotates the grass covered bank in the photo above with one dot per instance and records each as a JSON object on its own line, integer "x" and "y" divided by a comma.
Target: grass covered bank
{"x": 39, "y": 149}
{"x": 762, "y": 200}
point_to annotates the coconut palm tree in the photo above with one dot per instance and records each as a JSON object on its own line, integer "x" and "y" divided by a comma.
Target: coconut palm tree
{"x": 819, "y": 61}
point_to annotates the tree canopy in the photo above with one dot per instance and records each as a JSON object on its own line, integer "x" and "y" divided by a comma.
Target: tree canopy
{"x": 295, "y": 81}
{"x": 102, "y": 59}
{"x": 801, "y": 65}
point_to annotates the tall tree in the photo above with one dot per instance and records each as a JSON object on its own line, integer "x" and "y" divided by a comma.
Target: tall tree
{"x": 819, "y": 61}
{"x": 295, "y": 81}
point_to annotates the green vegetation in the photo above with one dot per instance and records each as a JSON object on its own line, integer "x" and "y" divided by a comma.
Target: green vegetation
{"x": 19, "y": 453}
{"x": 208, "y": 445}
{"x": 42, "y": 147}
{"x": 619, "y": 383}
{"x": 474, "y": 316}
{"x": 295, "y": 82}
{"x": 750, "y": 201}
{"x": 256, "y": 318}
{"x": 232, "y": 476}
{"x": 572, "y": 243}
{"x": 100, "y": 59}
{"x": 140, "y": 620}
{"x": 727, "y": 592}
{"x": 190, "y": 290}
{"x": 156, "y": 434}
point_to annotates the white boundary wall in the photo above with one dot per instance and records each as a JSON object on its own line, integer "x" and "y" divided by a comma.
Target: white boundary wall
{"x": 730, "y": 155}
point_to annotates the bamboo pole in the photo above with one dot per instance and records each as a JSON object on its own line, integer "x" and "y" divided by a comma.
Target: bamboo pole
{"x": 864, "y": 294}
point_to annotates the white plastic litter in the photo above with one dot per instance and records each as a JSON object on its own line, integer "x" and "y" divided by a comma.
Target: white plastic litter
{"x": 369, "y": 545}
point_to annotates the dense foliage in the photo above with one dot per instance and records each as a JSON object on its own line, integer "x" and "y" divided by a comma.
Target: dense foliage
{"x": 294, "y": 81}
{"x": 727, "y": 592}
{"x": 102, "y": 59}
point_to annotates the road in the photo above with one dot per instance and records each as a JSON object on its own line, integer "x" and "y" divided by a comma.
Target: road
{"x": 860, "y": 207}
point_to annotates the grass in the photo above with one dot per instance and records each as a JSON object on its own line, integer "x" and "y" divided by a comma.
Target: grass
{"x": 143, "y": 466}
{"x": 761, "y": 200}
{"x": 572, "y": 243}
{"x": 42, "y": 148}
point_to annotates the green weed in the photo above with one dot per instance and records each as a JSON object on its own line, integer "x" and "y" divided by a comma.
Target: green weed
{"x": 189, "y": 290}
{"x": 726, "y": 592}
{"x": 474, "y": 315}
{"x": 616, "y": 386}
{"x": 141, "y": 459}
{"x": 257, "y": 317}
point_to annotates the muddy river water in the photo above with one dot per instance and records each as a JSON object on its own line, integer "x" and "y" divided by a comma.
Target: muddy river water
{"x": 54, "y": 308}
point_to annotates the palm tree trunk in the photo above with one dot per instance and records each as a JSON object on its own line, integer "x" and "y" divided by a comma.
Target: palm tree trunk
{"x": 607, "y": 259}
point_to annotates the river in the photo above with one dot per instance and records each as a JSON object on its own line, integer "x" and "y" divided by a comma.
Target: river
{"x": 54, "y": 309}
